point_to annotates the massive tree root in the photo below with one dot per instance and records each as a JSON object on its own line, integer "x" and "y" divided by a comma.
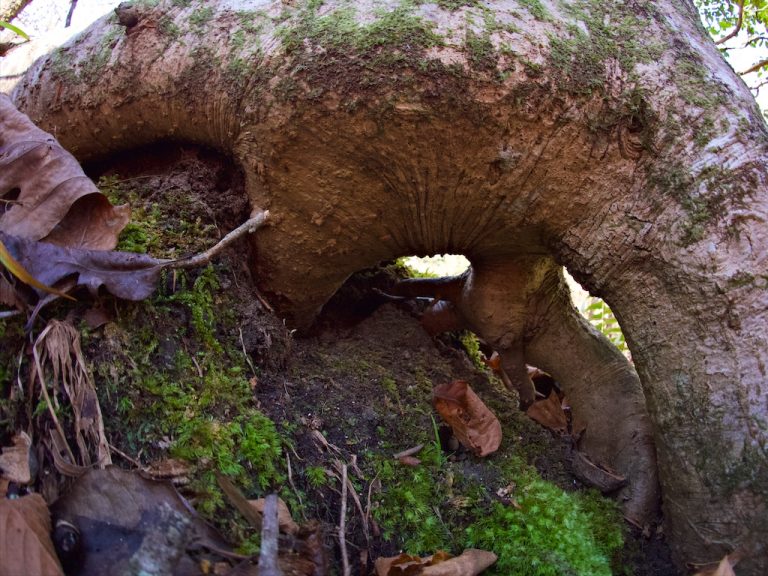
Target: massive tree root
{"x": 609, "y": 137}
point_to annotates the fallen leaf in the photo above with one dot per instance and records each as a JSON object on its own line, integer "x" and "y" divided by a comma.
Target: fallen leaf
{"x": 284, "y": 518}
{"x": 14, "y": 461}
{"x": 115, "y": 511}
{"x": 472, "y": 422}
{"x": 594, "y": 475}
{"x": 53, "y": 199}
{"x": 549, "y": 413}
{"x": 725, "y": 566}
{"x": 25, "y": 542}
{"x": 15, "y": 268}
{"x": 60, "y": 364}
{"x": 172, "y": 469}
{"x": 409, "y": 460}
{"x": 470, "y": 563}
{"x": 125, "y": 274}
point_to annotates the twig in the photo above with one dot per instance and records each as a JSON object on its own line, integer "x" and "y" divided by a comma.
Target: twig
{"x": 239, "y": 501}
{"x": 261, "y": 299}
{"x": 343, "y": 523}
{"x": 410, "y": 452}
{"x": 125, "y": 456}
{"x": 269, "y": 530}
{"x": 44, "y": 388}
{"x": 739, "y": 23}
{"x": 245, "y": 353}
{"x": 290, "y": 480}
{"x": 8, "y": 314}
{"x": 368, "y": 503}
{"x": 72, "y": 5}
{"x": 204, "y": 258}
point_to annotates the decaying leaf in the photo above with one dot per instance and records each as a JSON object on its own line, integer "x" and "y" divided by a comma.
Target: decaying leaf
{"x": 14, "y": 461}
{"x": 48, "y": 197}
{"x": 725, "y": 566}
{"x": 469, "y": 563}
{"x": 60, "y": 366}
{"x": 549, "y": 413}
{"x": 284, "y": 518}
{"x": 472, "y": 422}
{"x": 25, "y": 542}
{"x": 14, "y": 267}
{"x": 173, "y": 469}
{"x": 125, "y": 274}
{"x": 595, "y": 475}
{"x": 115, "y": 510}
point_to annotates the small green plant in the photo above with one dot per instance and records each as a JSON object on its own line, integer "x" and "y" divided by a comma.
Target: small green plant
{"x": 409, "y": 510}
{"x": 601, "y": 317}
{"x": 16, "y": 30}
{"x": 316, "y": 476}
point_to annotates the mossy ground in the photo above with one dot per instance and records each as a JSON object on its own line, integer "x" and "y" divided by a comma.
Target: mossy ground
{"x": 204, "y": 373}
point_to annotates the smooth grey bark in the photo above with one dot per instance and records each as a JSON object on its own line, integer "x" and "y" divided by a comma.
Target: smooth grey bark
{"x": 608, "y": 135}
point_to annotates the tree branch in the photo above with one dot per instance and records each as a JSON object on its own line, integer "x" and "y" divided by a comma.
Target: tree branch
{"x": 736, "y": 30}
{"x": 762, "y": 64}
{"x": 68, "y": 21}
{"x": 13, "y": 9}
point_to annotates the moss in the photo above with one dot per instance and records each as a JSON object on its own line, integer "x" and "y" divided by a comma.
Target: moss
{"x": 200, "y": 17}
{"x": 536, "y": 8}
{"x": 548, "y": 532}
{"x": 581, "y": 55}
{"x": 471, "y": 345}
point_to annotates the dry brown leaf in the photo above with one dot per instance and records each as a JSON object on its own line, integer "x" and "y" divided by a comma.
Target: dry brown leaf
{"x": 115, "y": 511}
{"x": 168, "y": 469}
{"x": 53, "y": 199}
{"x": 14, "y": 461}
{"x": 724, "y": 568}
{"x": 475, "y": 426}
{"x": 594, "y": 475}
{"x": 409, "y": 460}
{"x": 60, "y": 365}
{"x": 25, "y": 542}
{"x": 284, "y": 518}
{"x": 470, "y": 563}
{"x": 549, "y": 413}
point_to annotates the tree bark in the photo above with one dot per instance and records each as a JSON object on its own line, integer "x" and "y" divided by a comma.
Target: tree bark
{"x": 608, "y": 136}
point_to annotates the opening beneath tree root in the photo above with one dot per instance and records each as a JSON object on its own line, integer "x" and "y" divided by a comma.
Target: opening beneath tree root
{"x": 598, "y": 313}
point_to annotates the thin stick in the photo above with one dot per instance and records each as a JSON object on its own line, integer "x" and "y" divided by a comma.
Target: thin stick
{"x": 125, "y": 456}
{"x": 44, "y": 388}
{"x": 410, "y": 452}
{"x": 268, "y": 565}
{"x": 204, "y": 258}
{"x": 290, "y": 479}
{"x": 72, "y": 5}
{"x": 343, "y": 523}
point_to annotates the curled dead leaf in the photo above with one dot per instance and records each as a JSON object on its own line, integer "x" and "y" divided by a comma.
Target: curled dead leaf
{"x": 284, "y": 518}
{"x": 51, "y": 197}
{"x": 549, "y": 413}
{"x": 472, "y": 422}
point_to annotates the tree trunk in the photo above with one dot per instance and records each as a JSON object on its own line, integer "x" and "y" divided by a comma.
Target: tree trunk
{"x": 608, "y": 136}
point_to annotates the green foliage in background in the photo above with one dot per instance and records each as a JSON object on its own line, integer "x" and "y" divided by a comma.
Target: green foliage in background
{"x": 601, "y": 317}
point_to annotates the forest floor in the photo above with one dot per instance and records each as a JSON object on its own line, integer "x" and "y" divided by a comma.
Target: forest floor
{"x": 205, "y": 373}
